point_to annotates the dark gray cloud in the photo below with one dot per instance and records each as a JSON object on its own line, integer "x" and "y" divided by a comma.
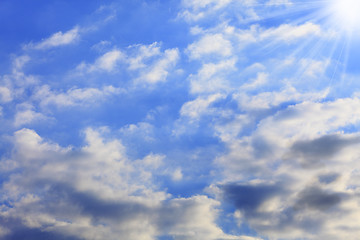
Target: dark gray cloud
{"x": 328, "y": 178}
{"x": 249, "y": 197}
{"x": 291, "y": 213}
{"x": 36, "y": 234}
{"x": 317, "y": 199}
{"x": 313, "y": 153}
{"x": 94, "y": 206}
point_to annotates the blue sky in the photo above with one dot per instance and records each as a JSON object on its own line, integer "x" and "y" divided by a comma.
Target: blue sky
{"x": 179, "y": 120}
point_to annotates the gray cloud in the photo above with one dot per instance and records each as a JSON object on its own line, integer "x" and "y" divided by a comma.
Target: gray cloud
{"x": 249, "y": 197}
{"x": 328, "y": 178}
{"x": 313, "y": 153}
{"x": 317, "y": 199}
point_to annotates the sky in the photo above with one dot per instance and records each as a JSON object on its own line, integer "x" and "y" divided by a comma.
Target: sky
{"x": 179, "y": 120}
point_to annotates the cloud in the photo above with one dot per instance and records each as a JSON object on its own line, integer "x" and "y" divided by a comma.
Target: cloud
{"x": 261, "y": 79}
{"x": 212, "y": 77}
{"x": 288, "y": 33}
{"x": 146, "y": 62}
{"x": 26, "y": 115}
{"x": 55, "y": 40}
{"x": 249, "y": 197}
{"x": 198, "y": 107}
{"x": 198, "y": 9}
{"x": 74, "y": 96}
{"x": 314, "y": 153}
{"x": 159, "y": 70}
{"x": 210, "y": 44}
{"x": 143, "y": 53}
{"x": 247, "y": 133}
{"x": 318, "y": 199}
{"x": 5, "y": 94}
{"x": 266, "y": 100}
{"x": 293, "y": 171}
{"x": 107, "y": 62}
{"x": 279, "y": 2}
{"x": 96, "y": 192}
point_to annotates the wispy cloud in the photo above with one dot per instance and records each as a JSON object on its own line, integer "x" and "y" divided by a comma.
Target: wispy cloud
{"x": 55, "y": 40}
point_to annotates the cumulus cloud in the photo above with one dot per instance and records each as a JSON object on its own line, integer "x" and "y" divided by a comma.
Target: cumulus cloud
{"x": 25, "y": 114}
{"x": 143, "y": 53}
{"x": 211, "y": 44}
{"x": 107, "y": 62}
{"x": 274, "y": 148}
{"x": 198, "y": 107}
{"x": 295, "y": 170}
{"x": 96, "y": 192}
{"x": 158, "y": 71}
{"x": 212, "y": 77}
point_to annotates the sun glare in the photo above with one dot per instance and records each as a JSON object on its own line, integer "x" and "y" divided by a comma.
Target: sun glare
{"x": 347, "y": 13}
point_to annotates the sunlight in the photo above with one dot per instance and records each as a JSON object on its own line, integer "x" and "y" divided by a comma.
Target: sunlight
{"x": 347, "y": 13}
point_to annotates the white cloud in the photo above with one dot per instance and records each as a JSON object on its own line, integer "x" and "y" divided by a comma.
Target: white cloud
{"x": 279, "y": 2}
{"x": 144, "y": 52}
{"x": 266, "y": 100}
{"x": 55, "y": 40}
{"x": 142, "y": 130}
{"x": 19, "y": 62}
{"x": 177, "y": 175}
{"x": 313, "y": 68}
{"x": 74, "y": 96}
{"x": 310, "y": 119}
{"x": 158, "y": 71}
{"x": 198, "y": 107}
{"x": 106, "y": 62}
{"x": 198, "y": 9}
{"x": 199, "y": 4}
{"x": 27, "y": 116}
{"x": 194, "y": 219}
{"x": 212, "y": 77}
{"x": 96, "y": 192}
{"x": 261, "y": 79}
{"x": 289, "y": 33}
{"x": 5, "y": 94}
{"x": 210, "y": 44}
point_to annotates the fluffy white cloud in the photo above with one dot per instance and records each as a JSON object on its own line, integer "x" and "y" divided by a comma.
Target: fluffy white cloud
{"x": 57, "y": 39}
{"x": 25, "y": 114}
{"x": 143, "y": 53}
{"x": 148, "y": 62}
{"x": 158, "y": 71}
{"x": 210, "y": 44}
{"x": 96, "y": 192}
{"x": 198, "y": 107}
{"x": 107, "y": 62}
{"x": 212, "y": 77}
